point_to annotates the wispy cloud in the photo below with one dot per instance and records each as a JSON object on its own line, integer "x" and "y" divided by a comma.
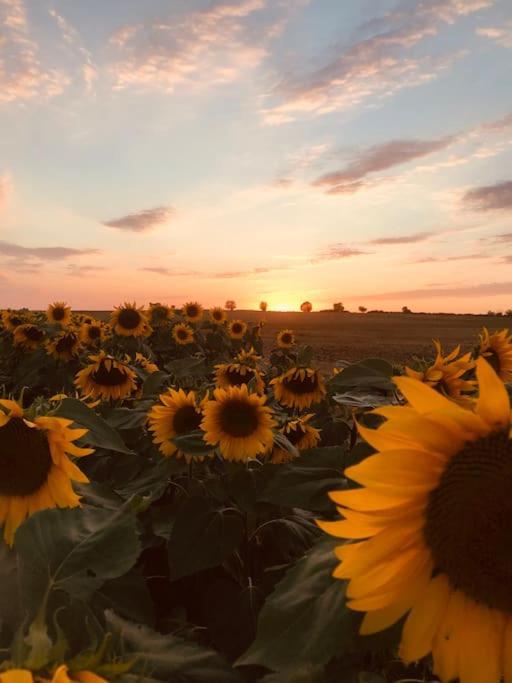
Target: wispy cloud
{"x": 169, "y": 272}
{"x": 76, "y": 270}
{"x": 250, "y": 272}
{"x": 468, "y": 291}
{"x": 403, "y": 239}
{"x": 490, "y": 197}
{"x": 334, "y": 252}
{"x": 142, "y": 221}
{"x": 503, "y": 237}
{"x": 42, "y": 253}
{"x": 502, "y": 35}
{"x": 461, "y": 257}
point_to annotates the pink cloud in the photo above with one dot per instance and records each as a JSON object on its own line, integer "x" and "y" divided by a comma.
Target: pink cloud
{"x": 334, "y": 252}
{"x": 502, "y": 35}
{"x": 497, "y": 197}
{"x": 142, "y": 221}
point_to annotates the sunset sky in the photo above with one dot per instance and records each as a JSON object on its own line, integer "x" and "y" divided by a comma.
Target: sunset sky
{"x": 168, "y": 150}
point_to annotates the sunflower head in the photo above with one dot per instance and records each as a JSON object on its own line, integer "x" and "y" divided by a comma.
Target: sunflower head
{"x": 236, "y": 374}
{"x": 64, "y": 346}
{"x": 430, "y": 529}
{"x": 299, "y": 387}
{"x": 239, "y": 423}
{"x": 59, "y": 313}
{"x": 13, "y": 319}
{"x": 92, "y": 333}
{"x": 145, "y": 363}
{"x": 106, "y": 378}
{"x": 237, "y": 329}
{"x": 496, "y": 348}
{"x": 35, "y": 470}
{"x": 193, "y": 312}
{"x": 159, "y": 314}
{"x": 177, "y": 413}
{"x": 183, "y": 334}
{"x": 300, "y": 434}
{"x": 285, "y": 339}
{"x": 28, "y": 336}
{"x": 129, "y": 321}
{"x": 218, "y": 315}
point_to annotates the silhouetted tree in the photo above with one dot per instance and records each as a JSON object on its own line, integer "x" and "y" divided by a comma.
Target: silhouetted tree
{"x": 338, "y": 307}
{"x": 406, "y": 309}
{"x": 230, "y": 305}
{"x": 362, "y": 309}
{"x": 263, "y": 306}
{"x": 306, "y": 307}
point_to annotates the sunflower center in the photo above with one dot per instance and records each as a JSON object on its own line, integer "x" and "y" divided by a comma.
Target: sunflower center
{"x": 286, "y": 338}
{"x": 186, "y": 419}
{"x": 217, "y": 315}
{"x": 236, "y": 328}
{"x": 181, "y": 333}
{"x": 94, "y": 332}
{"x": 235, "y": 377}
{"x": 58, "y": 313}
{"x": 33, "y": 333}
{"x": 129, "y": 318}
{"x": 239, "y": 418}
{"x": 299, "y": 386}
{"x": 192, "y": 311}
{"x": 66, "y": 343}
{"x": 468, "y": 521}
{"x": 108, "y": 378}
{"x": 295, "y": 434}
{"x": 14, "y": 320}
{"x": 25, "y": 458}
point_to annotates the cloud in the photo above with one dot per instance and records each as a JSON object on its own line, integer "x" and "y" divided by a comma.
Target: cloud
{"x": 490, "y": 197}
{"x": 160, "y": 270}
{"x": 142, "y": 221}
{"x": 443, "y": 259}
{"x": 502, "y": 35}
{"x": 334, "y": 252}
{"x": 504, "y": 237}
{"x": 468, "y": 291}
{"x": 379, "y": 158}
{"x": 377, "y": 62}
{"x": 251, "y": 272}
{"x": 404, "y": 239}
{"x": 79, "y": 271}
{"x": 42, "y": 253}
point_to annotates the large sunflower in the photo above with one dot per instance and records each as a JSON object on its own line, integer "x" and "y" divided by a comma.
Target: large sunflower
{"x": 28, "y": 336}
{"x": 92, "y": 333}
{"x": 218, "y": 315}
{"x": 129, "y": 321}
{"x": 159, "y": 314}
{"x": 179, "y": 414}
{"x": 299, "y": 387}
{"x": 35, "y": 470}
{"x": 65, "y": 346}
{"x": 183, "y": 334}
{"x": 496, "y": 348}
{"x": 237, "y": 329}
{"x": 193, "y": 312}
{"x": 59, "y": 312}
{"x": 285, "y": 339}
{"x": 236, "y": 374}
{"x": 12, "y": 319}
{"x": 106, "y": 378}
{"x": 300, "y": 434}
{"x": 239, "y": 422}
{"x": 432, "y": 526}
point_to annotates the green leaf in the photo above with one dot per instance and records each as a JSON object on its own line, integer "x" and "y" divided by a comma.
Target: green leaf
{"x": 128, "y": 596}
{"x": 192, "y": 443}
{"x": 100, "y": 433}
{"x": 187, "y": 367}
{"x": 154, "y": 383}
{"x": 285, "y": 444}
{"x": 304, "y": 622}
{"x": 168, "y": 658}
{"x": 74, "y": 550}
{"x": 372, "y": 373}
{"x": 202, "y": 536}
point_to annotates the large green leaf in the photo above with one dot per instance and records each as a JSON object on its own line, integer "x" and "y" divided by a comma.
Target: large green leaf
{"x": 187, "y": 367}
{"x": 100, "y": 433}
{"x": 75, "y": 550}
{"x": 202, "y": 536}
{"x": 168, "y": 658}
{"x": 372, "y": 373}
{"x": 154, "y": 383}
{"x": 304, "y": 622}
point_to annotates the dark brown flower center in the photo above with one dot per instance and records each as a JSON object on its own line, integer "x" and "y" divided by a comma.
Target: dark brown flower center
{"x": 181, "y": 333}
{"x": 58, "y": 313}
{"x": 298, "y": 386}
{"x": 94, "y": 332}
{"x": 239, "y": 418}
{"x": 217, "y": 315}
{"x": 129, "y": 318}
{"x": 286, "y": 338}
{"x": 235, "y": 376}
{"x": 295, "y": 434}
{"x": 192, "y": 311}
{"x": 186, "y": 419}
{"x": 67, "y": 343}
{"x": 33, "y": 333}
{"x": 25, "y": 458}
{"x": 108, "y": 378}
{"x": 15, "y": 320}
{"x": 468, "y": 521}
{"x": 237, "y": 328}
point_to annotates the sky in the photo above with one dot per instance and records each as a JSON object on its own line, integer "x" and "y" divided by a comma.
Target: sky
{"x": 280, "y": 150}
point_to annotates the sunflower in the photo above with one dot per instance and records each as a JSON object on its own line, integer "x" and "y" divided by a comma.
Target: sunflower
{"x": 447, "y": 372}
{"x": 236, "y": 374}
{"x": 35, "y": 471}
{"x": 496, "y": 348}
{"x": 237, "y": 329}
{"x": 59, "y": 312}
{"x": 179, "y": 414}
{"x": 285, "y": 339}
{"x": 432, "y": 526}
{"x": 12, "y": 319}
{"x": 218, "y": 315}
{"x": 239, "y": 422}
{"x": 159, "y": 314}
{"x": 106, "y": 378}
{"x": 63, "y": 675}
{"x": 145, "y": 363}
{"x": 129, "y": 321}
{"x": 28, "y": 336}
{"x": 193, "y": 312}
{"x": 299, "y": 387}
{"x": 16, "y": 676}
{"x": 183, "y": 334}
{"x": 92, "y": 332}
{"x": 65, "y": 346}
{"x": 300, "y": 434}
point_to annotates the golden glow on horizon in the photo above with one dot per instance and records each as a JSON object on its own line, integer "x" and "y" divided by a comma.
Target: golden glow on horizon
{"x": 280, "y": 306}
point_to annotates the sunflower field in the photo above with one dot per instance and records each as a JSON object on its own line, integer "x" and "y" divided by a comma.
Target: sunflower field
{"x": 179, "y": 504}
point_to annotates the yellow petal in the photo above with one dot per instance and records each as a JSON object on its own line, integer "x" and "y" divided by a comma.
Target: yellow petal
{"x": 422, "y": 397}
{"x": 380, "y": 619}
{"x": 507, "y": 652}
{"x": 445, "y": 649}
{"x": 396, "y": 469}
{"x": 493, "y": 403}
{"x": 369, "y": 499}
{"x": 481, "y": 644}
{"x": 16, "y": 676}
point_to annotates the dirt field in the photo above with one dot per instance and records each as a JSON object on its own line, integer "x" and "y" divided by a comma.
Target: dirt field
{"x": 351, "y": 336}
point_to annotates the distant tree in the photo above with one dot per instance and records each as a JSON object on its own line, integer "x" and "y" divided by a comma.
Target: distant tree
{"x": 306, "y": 307}
{"x": 508, "y": 312}
{"x": 362, "y": 309}
{"x": 263, "y": 306}
{"x": 406, "y": 309}
{"x": 230, "y": 305}
{"x": 491, "y": 313}
{"x": 499, "y": 313}
{"x": 338, "y": 307}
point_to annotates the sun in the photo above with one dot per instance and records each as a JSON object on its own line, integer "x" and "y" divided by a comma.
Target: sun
{"x": 282, "y": 305}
